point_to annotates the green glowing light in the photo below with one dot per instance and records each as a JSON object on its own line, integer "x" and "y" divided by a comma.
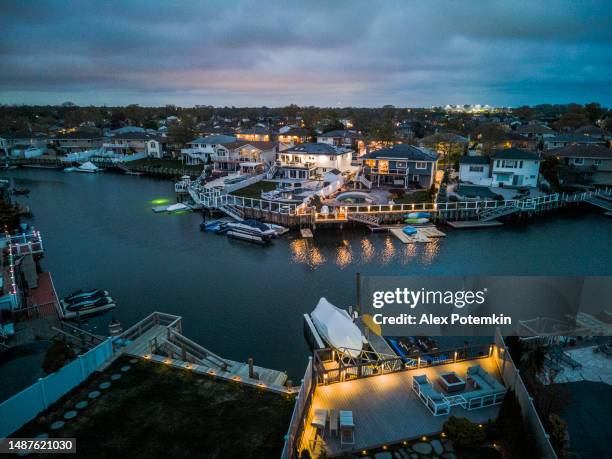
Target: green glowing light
{"x": 160, "y": 201}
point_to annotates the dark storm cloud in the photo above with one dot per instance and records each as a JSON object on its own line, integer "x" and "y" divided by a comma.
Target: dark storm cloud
{"x": 308, "y": 52}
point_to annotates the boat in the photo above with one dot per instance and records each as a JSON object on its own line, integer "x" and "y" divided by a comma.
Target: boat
{"x": 409, "y": 230}
{"x": 211, "y": 225}
{"x": 88, "y": 167}
{"x": 418, "y": 215}
{"x": 416, "y": 221}
{"x": 336, "y": 328}
{"x": 179, "y": 206}
{"x": 222, "y": 228}
{"x": 248, "y": 237}
{"x": 278, "y": 229}
{"x": 81, "y": 295}
{"x": 254, "y": 228}
{"x": 88, "y": 308}
{"x": 23, "y": 191}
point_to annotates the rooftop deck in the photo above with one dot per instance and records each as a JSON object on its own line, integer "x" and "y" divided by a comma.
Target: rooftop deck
{"x": 387, "y": 411}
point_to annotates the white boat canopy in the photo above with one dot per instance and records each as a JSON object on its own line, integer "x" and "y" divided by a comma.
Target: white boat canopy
{"x": 88, "y": 166}
{"x": 337, "y": 328}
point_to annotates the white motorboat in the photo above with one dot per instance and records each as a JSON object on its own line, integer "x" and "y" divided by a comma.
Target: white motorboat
{"x": 336, "y": 327}
{"x": 254, "y": 228}
{"x": 88, "y": 167}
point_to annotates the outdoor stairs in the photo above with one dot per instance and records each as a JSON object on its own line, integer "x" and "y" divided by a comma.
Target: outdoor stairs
{"x": 370, "y": 220}
{"x": 182, "y": 347}
{"x": 123, "y": 167}
{"x": 602, "y": 200}
{"x": 232, "y": 211}
{"x": 364, "y": 181}
{"x": 492, "y": 214}
{"x": 272, "y": 172}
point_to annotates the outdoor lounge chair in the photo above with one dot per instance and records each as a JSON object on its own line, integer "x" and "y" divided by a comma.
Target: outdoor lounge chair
{"x": 347, "y": 428}
{"x": 319, "y": 421}
{"x": 489, "y": 391}
{"x": 433, "y": 400}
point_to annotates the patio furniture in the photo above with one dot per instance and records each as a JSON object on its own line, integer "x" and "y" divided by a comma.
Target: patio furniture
{"x": 347, "y": 428}
{"x": 488, "y": 390}
{"x": 319, "y": 420}
{"x": 451, "y": 382}
{"x": 433, "y": 400}
{"x": 333, "y": 423}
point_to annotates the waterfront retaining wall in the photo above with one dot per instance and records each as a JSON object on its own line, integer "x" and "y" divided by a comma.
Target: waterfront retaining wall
{"x": 27, "y": 404}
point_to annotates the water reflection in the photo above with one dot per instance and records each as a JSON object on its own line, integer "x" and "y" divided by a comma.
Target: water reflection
{"x": 367, "y": 251}
{"x": 344, "y": 255}
{"x": 305, "y": 252}
{"x": 388, "y": 251}
{"x": 430, "y": 251}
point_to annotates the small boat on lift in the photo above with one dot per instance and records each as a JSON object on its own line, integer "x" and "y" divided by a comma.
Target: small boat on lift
{"x": 88, "y": 308}
{"x": 254, "y": 228}
{"x": 82, "y": 295}
{"x": 248, "y": 237}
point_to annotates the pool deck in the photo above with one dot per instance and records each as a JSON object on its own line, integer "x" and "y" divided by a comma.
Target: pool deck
{"x": 386, "y": 410}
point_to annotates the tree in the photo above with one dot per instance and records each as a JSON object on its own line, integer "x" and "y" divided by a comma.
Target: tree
{"x": 464, "y": 433}
{"x": 549, "y": 168}
{"x": 183, "y": 131}
{"x": 593, "y": 111}
{"x": 573, "y": 119}
{"x": 525, "y": 113}
{"x": 516, "y": 435}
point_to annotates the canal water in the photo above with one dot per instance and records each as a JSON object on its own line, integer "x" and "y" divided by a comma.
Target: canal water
{"x": 243, "y": 300}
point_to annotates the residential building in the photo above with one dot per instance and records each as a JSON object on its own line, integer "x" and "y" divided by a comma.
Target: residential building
{"x": 535, "y": 131}
{"x": 563, "y": 140}
{"x": 255, "y": 134}
{"x": 134, "y": 145}
{"x": 344, "y": 139}
{"x": 201, "y": 149}
{"x": 250, "y": 157}
{"x": 593, "y": 161}
{"x": 590, "y": 131}
{"x": 309, "y": 161}
{"x": 18, "y": 142}
{"x": 293, "y": 136}
{"x": 401, "y": 165}
{"x": 475, "y": 169}
{"x": 515, "y": 140}
{"x": 514, "y": 167}
{"x": 74, "y": 142}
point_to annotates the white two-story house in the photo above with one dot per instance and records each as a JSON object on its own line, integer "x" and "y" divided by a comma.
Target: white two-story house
{"x": 249, "y": 157}
{"x": 133, "y": 145}
{"x": 475, "y": 170}
{"x": 200, "y": 150}
{"x": 514, "y": 167}
{"x": 310, "y": 161}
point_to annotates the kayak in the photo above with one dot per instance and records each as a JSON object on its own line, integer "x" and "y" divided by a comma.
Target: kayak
{"x": 409, "y": 230}
{"x": 416, "y": 221}
{"x": 418, "y": 215}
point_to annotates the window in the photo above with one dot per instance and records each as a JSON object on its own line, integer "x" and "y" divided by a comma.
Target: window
{"x": 331, "y": 158}
{"x": 579, "y": 161}
{"x": 476, "y": 168}
{"x": 415, "y": 178}
{"x": 401, "y": 165}
{"x": 597, "y": 162}
{"x": 420, "y": 165}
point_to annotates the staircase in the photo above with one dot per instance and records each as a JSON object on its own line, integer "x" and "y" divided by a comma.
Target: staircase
{"x": 370, "y": 220}
{"x": 272, "y": 172}
{"x": 492, "y": 214}
{"x": 232, "y": 211}
{"x": 364, "y": 181}
{"x": 602, "y": 200}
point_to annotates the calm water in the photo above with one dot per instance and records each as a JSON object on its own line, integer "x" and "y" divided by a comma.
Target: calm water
{"x": 243, "y": 300}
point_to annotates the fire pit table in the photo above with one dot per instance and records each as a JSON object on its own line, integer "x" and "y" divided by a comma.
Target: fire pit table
{"x": 451, "y": 382}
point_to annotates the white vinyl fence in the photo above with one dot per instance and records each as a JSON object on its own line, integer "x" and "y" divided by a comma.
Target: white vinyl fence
{"x": 25, "y": 406}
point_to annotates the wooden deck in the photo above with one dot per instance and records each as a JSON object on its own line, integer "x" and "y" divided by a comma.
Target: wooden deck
{"x": 386, "y": 410}
{"x": 473, "y": 224}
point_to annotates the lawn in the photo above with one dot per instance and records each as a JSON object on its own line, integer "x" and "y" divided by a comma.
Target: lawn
{"x": 254, "y": 191}
{"x": 414, "y": 198}
{"x": 158, "y": 411}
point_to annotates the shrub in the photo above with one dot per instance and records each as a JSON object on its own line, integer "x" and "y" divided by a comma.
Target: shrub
{"x": 58, "y": 355}
{"x": 453, "y": 198}
{"x": 398, "y": 192}
{"x": 464, "y": 433}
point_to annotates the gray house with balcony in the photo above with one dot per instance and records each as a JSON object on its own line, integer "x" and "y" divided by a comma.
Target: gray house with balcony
{"x": 401, "y": 165}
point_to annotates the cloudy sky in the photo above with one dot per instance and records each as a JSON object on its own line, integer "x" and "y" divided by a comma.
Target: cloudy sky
{"x": 327, "y": 53}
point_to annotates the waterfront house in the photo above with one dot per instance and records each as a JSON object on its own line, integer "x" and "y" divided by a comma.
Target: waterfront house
{"x": 475, "y": 169}
{"x": 563, "y": 140}
{"x": 255, "y": 134}
{"x": 344, "y": 138}
{"x": 201, "y": 149}
{"x": 401, "y": 165}
{"x": 246, "y": 156}
{"x": 592, "y": 162}
{"x": 20, "y": 143}
{"x": 77, "y": 141}
{"x": 134, "y": 145}
{"x": 515, "y": 167}
{"x": 308, "y": 161}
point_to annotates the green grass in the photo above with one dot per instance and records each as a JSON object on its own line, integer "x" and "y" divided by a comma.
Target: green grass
{"x": 414, "y": 198}
{"x": 254, "y": 191}
{"x": 158, "y": 411}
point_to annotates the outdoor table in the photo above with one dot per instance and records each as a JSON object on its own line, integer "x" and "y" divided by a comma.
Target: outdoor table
{"x": 451, "y": 382}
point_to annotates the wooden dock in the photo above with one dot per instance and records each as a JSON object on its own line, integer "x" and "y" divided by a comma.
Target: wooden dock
{"x": 306, "y": 232}
{"x": 424, "y": 234}
{"x": 465, "y": 224}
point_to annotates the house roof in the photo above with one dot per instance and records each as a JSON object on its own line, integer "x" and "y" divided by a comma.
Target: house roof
{"x": 582, "y": 151}
{"x": 589, "y": 130}
{"x": 533, "y": 129}
{"x": 474, "y": 160}
{"x": 243, "y": 143}
{"x": 78, "y": 135}
{"x": 214, "y": 139}
{"x": 258, "y": 130}
{"x": 515, "y": 153}
{"x": 316, "y": 149}
{"x": 577, "y": 138}
{"x": 445, "y": 137}
{"x": 342, "y": 133}
{"x": 295, "y": 132}
{"x": 136, "y": 136}
{"x": 404, "y": 151}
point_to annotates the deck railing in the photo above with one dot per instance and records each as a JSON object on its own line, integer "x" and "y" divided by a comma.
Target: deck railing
{"x": 347, "y": 368}
{"x": 155, "y": 318}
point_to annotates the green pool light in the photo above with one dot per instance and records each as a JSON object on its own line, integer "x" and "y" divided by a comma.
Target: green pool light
{"x": 160, "y": 201}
